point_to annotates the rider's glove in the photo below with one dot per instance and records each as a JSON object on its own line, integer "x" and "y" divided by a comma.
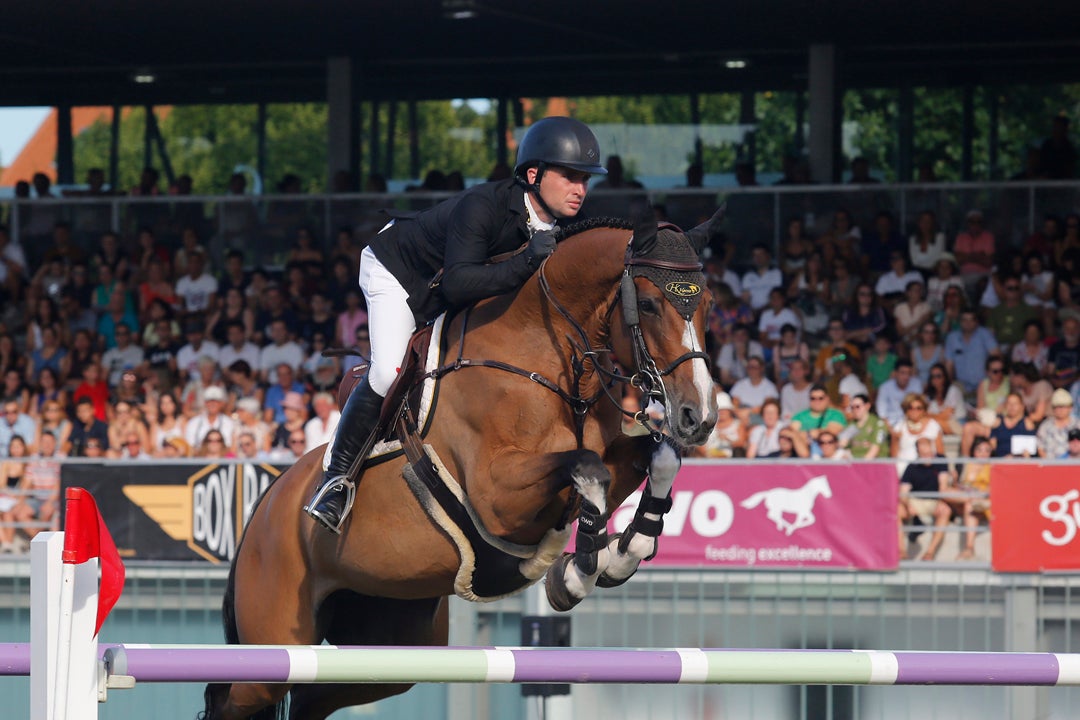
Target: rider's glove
{"x": 541, "y": 244}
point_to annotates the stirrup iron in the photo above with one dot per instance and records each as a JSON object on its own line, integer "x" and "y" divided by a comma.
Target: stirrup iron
{"x": 340, "y": 483}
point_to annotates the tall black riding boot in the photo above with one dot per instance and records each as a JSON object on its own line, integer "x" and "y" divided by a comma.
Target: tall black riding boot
{"x": 333, "y": 498}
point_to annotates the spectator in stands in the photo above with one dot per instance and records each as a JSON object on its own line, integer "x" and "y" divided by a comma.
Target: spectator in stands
{"x": 881, "y": 362}
{"x": 166, "y": 423}
{"x": 94, "y": 388}
{"x": 11, "y": 486}
{"x": 718, "y": 270}
{"x": 735, "y": 355}
{"x": 1057, "y": 154}
{"x": 77, "y": 316}
{"x": 123, "y": 357}
{"x": 842, "y": 286}
{"x": 860, "y": 172}
{"x": 45, "y": 315}
{"x": 967, "y": 350}
{"x": 242, "y": 382}
{"x": 945, "y": 400}
{"x": 945, "y": 276}
{"x": 1044, "y": 238}
{"x": 925, "y": 476}
{"x": 280, "y": 351}
{"x": 975, "y": 483}
{"x": 948, "y": 318}
{"x": 773, "y": 319}
{"x": 321, "y": 320}
{"x": 728, "y": 311}
{"x": 131, "y": 448}
{"x": 753, "y": 390}
{"x": 232, "y": 310}
{"x": 819, "y": 417}
{"x": 87, "y": 427}
{"x": 54, "y": 421}
{"x": 237, "y": 346}
{"x": 728, "y": 437}
{"x": 123, "y": 424}
{"x": 975, "y": 248}
{"x": 795, "y": 393}
{"x": 176, "y": 447}
{"x": 247, "y": 447}
{"x": 10, "y": 358}
{"x": 1063, "y": 358}
{"x": 48, "y": 388}
{"x": 1031, "y": 348}
{"x": 197, "y": 289}
{"x": 810, "y": 294}
{"x": 1053, "y": 434}
{"x": 1008, "y": 318}
{"x": 880, "y": 243}
{"x": 994, "y": 388}
{"x": 892, "y": 285}
{"x": 1014, "y": 435}
{"x": 212, "y": 418}
{"x": 912, "y": 314}
{"x": 41, "y": 481}
{"x": 896, "y": 391}
{"x": 323, "y": 372}
{"x": 193, "y": 395}
{"x": 233, "y": 275}
{"x": 846, "y": 381}
{"x": 342, "y": 280}
{"x": 49, "y": 354}
{"x": 1068, "y": 245}
{"x": 1026, "y": 380}
{"x": 15, "y": 390}
{"x": 835, "y": 344}
{"x": 295, "y": 417}
{"x": 1073, "y": 453}
{"x": 305, "y": 253}
{"x": 297, "y": 287}
{"x": 868, "y": 436}
{"x": 319, "y": 430}
{"x": 197, "y": 346}
{"x": 277, "y": 393}
{"x": 214, "y": 445}
{"x": 118, "y": 312}
{"x": 1037, "y": 284}
{"x": 928, "y": 351}
{"x": 764, "y": 439}
{"x": 109, "y": 254}
{"x": 249, "y": 422}
{"x": 828, "y": 448}
{"x": 352, "y": 317}
{"x": 915, "y": 424}
{"x": 12, "y": 267}
{"x": 159, "y": 359}
{"x": 792, "y": 444}
{"x": 745, "y": 175}
{"x": 759, "y": 282}
{"x": 149, "y": 250}
{"x": 843, "y": 239}
{"x": 795, "y": 248}
{"x": 865, "y": 320}
{"x": 926, "y": 245}
{"x": 274, "y": 308}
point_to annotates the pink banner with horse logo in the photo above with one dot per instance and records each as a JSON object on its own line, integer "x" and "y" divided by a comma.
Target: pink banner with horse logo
{"x": 773, "y": 515}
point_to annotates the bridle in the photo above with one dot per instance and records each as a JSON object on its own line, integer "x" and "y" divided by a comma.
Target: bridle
{"x": 647, "y": 377}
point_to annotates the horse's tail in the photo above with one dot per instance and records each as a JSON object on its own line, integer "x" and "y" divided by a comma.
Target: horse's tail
{"x": 754, "y": 500}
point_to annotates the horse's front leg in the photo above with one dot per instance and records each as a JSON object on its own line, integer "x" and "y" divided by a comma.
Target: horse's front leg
{"x": 574, "y": 575}
{"x": 640, "y": 540}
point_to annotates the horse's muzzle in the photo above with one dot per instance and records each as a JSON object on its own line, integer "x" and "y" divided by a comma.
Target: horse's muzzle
{"x": 690, "y": 427}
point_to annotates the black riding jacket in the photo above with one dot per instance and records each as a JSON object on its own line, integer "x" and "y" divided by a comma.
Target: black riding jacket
{"x": 458, "y": 236}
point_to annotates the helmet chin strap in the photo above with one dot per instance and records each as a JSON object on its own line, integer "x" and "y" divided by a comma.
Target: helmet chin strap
{"x": 534, "y": 188}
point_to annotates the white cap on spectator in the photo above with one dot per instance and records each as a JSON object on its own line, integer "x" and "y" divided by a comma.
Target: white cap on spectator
{"x": 248, "y": 404}
{"x": 723, "y": 401}
{"x": 1061, "y": 398}
{"x": 214, "y": 393}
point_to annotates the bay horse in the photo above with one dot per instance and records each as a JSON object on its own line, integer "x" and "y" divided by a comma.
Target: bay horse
{"x": 525, "y": 436}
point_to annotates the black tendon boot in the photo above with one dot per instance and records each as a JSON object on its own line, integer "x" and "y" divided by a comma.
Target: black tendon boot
{"x": 333, "y": 498}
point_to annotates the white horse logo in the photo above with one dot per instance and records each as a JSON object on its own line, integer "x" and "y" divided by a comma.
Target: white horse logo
{"x": 799, "y": 503}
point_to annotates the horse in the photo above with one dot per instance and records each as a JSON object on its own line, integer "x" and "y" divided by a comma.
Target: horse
{"x": 525, "y": 435}
{"x": 798, "y": 502}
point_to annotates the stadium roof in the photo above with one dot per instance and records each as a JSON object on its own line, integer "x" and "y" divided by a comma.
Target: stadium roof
{"x": 93, "y": 53}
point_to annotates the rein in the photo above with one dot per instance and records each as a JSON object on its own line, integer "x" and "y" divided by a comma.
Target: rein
{"x": 647, "y": 377}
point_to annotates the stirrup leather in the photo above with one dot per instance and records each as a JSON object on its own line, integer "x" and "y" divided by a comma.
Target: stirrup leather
{"x": 337, "y": 484}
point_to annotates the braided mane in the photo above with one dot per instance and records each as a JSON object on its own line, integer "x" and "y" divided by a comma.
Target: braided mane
{"x": 591, "y": 224}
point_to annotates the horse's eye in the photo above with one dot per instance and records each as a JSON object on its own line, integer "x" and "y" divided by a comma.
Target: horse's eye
{"x": 648, "y": 305}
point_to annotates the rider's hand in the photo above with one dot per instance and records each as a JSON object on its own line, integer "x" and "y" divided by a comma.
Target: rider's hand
{"x": 541, "y": 244}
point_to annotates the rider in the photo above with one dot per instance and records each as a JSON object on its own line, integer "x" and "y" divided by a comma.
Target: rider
{"x": 399, "y": 273}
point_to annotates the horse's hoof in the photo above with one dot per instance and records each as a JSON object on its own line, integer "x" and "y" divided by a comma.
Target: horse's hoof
{"x": 559, "y": 597}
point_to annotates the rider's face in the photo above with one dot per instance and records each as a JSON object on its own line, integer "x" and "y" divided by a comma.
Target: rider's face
{"x": 562, "y": 189}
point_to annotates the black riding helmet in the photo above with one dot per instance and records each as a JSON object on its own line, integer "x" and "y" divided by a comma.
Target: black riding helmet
{"x": 561, "y": 141}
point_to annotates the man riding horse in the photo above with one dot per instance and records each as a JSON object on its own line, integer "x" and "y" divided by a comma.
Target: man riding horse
{"x": 418, "y": 266}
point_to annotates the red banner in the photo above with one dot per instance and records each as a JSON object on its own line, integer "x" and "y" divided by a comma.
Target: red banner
{"x": 772, "y": 515}
{"x": 1036, "y": 517}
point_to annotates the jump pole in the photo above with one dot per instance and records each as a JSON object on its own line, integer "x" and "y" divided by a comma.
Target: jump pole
{"x": 327, "y": 664}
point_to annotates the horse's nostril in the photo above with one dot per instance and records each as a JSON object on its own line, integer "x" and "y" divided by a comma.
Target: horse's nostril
{"x": 689, "y": 418}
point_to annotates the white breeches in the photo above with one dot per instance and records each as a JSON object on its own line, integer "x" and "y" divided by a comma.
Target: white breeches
{"x": 390, "y": 321}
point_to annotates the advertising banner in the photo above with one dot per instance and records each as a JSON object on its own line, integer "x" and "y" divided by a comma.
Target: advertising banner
{"x": 1036, "y": 518}
{"x": 173, "y": 512}
{"x": 824, "y": 515}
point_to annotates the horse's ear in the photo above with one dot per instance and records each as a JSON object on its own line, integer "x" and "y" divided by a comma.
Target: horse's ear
{"x": 644, "y": 231}
{"x": 700, "y": 236}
